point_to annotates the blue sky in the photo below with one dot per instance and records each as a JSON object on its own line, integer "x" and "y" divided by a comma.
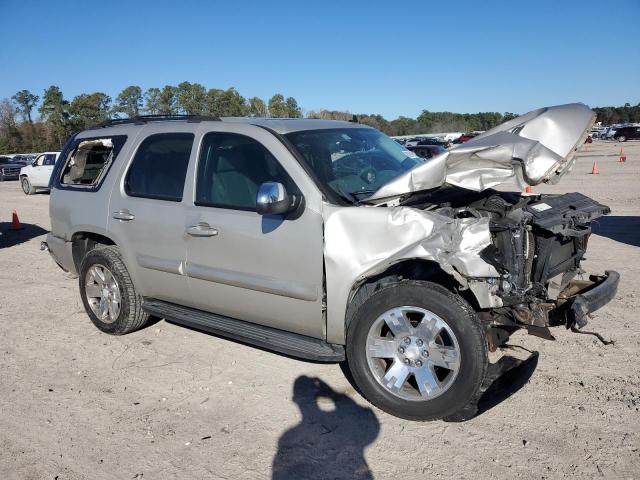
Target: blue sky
{"x": 394, "y": 58}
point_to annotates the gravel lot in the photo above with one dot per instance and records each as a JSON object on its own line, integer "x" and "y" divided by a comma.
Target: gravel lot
{"x": 168, "y": 402}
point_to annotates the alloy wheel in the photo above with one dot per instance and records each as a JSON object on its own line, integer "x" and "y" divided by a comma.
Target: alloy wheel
{"x": 413, "y": 353}
{"x": 103, "y": 293}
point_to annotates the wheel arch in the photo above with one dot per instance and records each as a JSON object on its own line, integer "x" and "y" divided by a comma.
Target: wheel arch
{"x": 83, "y": 241}
{"x": 406, "y": 269}
{"x": 375, "y": 380}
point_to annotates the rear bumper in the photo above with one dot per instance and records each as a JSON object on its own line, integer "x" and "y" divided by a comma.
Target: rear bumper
{"x": 592, "y": 298}
{"x": 61, "y": 253}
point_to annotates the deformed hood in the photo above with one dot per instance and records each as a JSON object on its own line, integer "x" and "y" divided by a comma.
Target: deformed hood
{"x": 537, "y": 147}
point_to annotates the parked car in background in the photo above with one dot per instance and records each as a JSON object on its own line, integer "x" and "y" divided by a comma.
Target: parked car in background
{"x": 19, "y": 159}
{"x": 9, "y": 170}
{"x": 627, "y": 133}
{"x": 36, "y": 176}
{"x": 611, "y": 131}
{"x": 465, "y": 137}
{"x": 410, "y": 142}
{"x": 427, "y": 151}
{"x": 23, "y": 159}
{"x": 421, "y": 141}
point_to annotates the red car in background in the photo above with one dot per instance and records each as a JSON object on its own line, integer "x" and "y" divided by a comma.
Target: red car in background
{"x": 465, "y": 137}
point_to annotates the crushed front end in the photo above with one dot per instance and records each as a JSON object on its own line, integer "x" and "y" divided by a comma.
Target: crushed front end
{"x": 537, "y": 244}
{"x": 515, "y": 258}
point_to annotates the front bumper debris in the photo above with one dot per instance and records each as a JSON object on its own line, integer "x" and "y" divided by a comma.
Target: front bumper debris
{"x": 584, "y": 297}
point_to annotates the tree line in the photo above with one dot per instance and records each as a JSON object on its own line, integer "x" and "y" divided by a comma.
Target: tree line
{"x": 614, "y": 115}
{"x": 58, "y": 117}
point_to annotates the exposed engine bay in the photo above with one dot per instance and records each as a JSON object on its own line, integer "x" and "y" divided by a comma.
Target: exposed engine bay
{"x": 537, "y": 243}
{"x": 514, "y": 258}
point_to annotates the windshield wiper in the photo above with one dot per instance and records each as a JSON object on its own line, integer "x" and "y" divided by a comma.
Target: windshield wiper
{"x": 346, "y": 195}
{"x": 357, "y": 194}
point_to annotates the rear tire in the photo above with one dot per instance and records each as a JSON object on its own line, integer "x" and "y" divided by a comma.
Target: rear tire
{"x": 440, "y": 338}
{"x": 622, "y": 138}
{"x": 108, "y": 294}
{"x": 27, "y": 188}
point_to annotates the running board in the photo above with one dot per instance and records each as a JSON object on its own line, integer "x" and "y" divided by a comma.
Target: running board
{"x": 292, "y": 344}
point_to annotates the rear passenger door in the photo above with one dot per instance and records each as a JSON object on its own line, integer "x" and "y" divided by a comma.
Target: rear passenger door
{"x": 146, "y": 213}
{"x": 263, "y": 269}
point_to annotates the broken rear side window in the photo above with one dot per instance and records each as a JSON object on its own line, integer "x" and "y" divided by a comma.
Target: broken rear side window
{"x": 89, "y": 161}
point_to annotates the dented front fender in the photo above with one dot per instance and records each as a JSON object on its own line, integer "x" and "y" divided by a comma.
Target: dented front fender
{"x": 364, "y": 241}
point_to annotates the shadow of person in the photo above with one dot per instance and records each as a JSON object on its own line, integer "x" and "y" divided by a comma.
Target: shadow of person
{"x": 9, "y": 238}
{"x": 503, "y": 379}
{"x": 623, "y": 229}
{"x": 329, "y": 441}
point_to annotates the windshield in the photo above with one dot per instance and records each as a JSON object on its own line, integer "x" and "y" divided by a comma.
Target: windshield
{"x": 353, "y": 162}
{"x": 5, "y": 161}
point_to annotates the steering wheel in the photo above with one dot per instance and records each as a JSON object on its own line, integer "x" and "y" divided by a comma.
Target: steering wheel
{"x": 368, "y": 175}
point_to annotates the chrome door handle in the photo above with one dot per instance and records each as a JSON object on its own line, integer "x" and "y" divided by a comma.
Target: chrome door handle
{"x": 124, "y": 215}
{"x": 202, "y": 230}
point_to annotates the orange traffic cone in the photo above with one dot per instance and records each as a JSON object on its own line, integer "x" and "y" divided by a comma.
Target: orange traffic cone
{"x": 528, "y": 189}
{"x": 15, "y": 221}
{"x": 623, "y": 157}
{"x": 594, "y": 169}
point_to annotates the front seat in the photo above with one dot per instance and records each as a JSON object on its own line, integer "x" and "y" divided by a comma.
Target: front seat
{"x": 320, "y": 160}
{"x": 230, "y": 184}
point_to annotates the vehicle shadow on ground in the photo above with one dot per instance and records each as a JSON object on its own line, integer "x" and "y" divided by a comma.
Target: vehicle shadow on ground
{"x": 504, "y": 378}
{"x": 9, "y": 238}
{"x": 619, "y": 228}
{"x": 330, "y": 439}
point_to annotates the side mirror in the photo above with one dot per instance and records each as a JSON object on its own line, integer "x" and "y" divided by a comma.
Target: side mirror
{"x": 273, "y": 199}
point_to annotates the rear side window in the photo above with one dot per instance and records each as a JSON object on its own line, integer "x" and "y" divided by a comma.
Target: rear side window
{"x": 160, "y": 166}
{"x": 89, "y": 160}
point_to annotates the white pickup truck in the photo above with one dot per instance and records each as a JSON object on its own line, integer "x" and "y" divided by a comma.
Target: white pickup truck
{"x": 36, "y": 176}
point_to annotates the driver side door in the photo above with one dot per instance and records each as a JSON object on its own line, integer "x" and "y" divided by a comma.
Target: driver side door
{"x": 265, "y": 269}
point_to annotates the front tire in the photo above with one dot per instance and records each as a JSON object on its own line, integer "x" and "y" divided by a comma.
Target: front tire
{"x": 622, "y": 138}
{"x": 416, "y": 350}
{"x": 108, "y": 294}
{"x": 27, "y": 188}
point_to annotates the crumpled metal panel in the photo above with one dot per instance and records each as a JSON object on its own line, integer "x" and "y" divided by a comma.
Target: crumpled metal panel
{"x": 534, "y": 148}
{"x": 364, "y": 241}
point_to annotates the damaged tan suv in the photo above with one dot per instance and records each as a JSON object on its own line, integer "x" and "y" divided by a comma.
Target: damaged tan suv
{"x": 328, "y": 241}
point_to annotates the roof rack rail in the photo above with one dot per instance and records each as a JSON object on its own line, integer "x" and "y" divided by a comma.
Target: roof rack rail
{"x": 142, "y": 119}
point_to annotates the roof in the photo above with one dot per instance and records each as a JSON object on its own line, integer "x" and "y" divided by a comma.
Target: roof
{"x": 279, "y": 125}
{"x": 288, "y": 125}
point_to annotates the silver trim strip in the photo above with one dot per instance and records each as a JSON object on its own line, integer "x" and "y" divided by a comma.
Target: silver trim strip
{"x": 252, "y": 282}
{"x": 161, "y": 264}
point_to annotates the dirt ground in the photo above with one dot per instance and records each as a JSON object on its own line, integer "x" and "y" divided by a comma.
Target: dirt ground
{"x": 168, "y": 402}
